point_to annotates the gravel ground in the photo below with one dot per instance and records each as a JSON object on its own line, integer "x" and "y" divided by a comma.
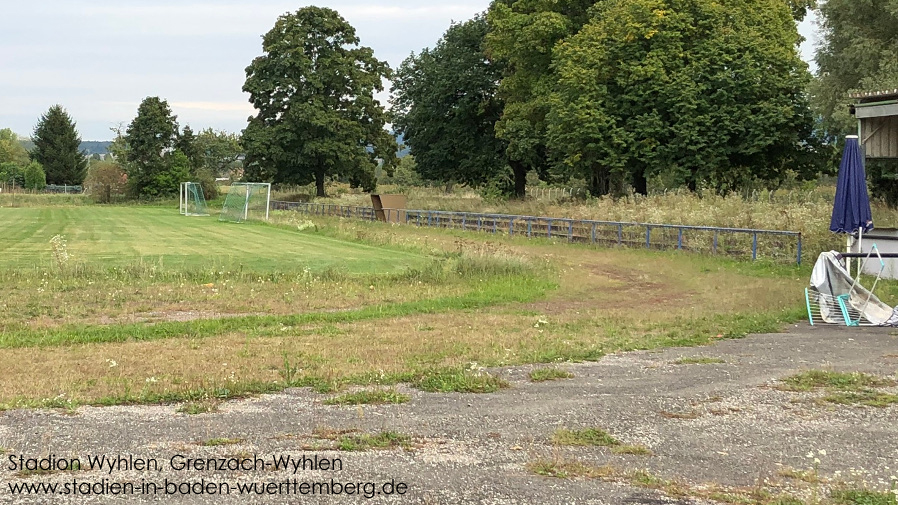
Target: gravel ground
{"x": 721, "y": 424}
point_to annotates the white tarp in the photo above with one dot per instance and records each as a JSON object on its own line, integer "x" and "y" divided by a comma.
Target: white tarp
{"x": 831, "y": 279}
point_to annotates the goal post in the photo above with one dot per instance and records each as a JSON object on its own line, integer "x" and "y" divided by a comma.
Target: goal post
{"x": 192, "y": 200}
{"x": 246, "y": 201}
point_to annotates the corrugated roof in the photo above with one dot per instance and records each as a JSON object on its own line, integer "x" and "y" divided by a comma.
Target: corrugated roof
{"x": 874, "y": 94}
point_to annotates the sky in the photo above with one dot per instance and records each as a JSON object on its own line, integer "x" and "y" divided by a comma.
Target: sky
{"x": 100, "y": 58}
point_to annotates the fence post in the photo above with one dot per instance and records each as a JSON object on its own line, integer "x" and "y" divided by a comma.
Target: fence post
{"x": 593, "y": 234}
{"x": 679, "y": 238}
{"x": 648, "y": 237}
{"x": 714, "y": 249}
{"x": 799, "y": 248}
{"x": 510, "y": 226}
{"x": 529, "y": 227}
{"x": 620, "y": 234}
{"x": 754, "y": 247}
{"x": 570, "y": 231}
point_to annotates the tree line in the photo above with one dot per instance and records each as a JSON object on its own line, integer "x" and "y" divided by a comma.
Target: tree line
{"x": 619, "y": 95}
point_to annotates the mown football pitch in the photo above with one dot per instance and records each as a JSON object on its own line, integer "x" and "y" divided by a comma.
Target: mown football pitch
{"x": 112, "y": 236}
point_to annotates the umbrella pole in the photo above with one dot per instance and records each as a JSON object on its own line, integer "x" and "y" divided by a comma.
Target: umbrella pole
{"x": 860, "y": 248}
{"x": 848, "y": 248}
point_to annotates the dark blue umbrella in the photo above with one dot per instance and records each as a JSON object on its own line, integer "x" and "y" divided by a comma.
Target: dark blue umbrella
{"x": 851, "y": 210}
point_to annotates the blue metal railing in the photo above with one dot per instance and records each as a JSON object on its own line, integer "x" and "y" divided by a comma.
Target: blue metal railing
{"x": 738, "y": 242}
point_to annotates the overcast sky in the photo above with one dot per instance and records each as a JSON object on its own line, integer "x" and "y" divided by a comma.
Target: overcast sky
{"x": 100, "y": 58}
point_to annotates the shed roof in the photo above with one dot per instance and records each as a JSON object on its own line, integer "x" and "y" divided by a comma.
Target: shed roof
{"x": 874, "y": 96}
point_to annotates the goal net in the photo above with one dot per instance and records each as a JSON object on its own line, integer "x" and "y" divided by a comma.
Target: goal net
{"x": 245, "y": 201}
{"x": 193, "y": 201}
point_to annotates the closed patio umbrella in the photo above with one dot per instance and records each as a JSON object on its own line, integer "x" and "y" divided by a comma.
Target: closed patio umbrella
{"x": 851, "y": 209}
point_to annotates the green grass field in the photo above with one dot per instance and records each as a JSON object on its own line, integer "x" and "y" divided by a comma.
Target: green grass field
{"x": 150, "y": 298}
{"x": 117, "y": 236}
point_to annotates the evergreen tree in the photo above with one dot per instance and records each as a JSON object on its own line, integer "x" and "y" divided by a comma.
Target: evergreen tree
{"x": 56, "y": 148}
{"x": 150, "y": 138}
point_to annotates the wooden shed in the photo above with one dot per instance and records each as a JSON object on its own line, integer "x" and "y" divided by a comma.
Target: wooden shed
{"x": 877, "y": 114}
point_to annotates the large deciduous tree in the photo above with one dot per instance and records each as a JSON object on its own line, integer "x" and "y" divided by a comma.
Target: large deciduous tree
{"x": 11, "y": 150}
{"x": 313, "y": 90}
{"x": 858, "y": 51}
{"x": 446, "y": 108}
{"x": 710, "y": 92}
{"x": 152, "y": 167}
{"x": 57, "y": 148}
{"x": 522, "y": 35}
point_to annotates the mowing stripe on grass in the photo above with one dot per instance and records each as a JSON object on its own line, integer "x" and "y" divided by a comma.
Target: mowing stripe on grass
{"x": 121, "y": 235}
{"x": 502, "y": 290}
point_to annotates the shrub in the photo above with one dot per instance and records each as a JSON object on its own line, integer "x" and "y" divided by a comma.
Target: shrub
{"x": 105, "y": 181}
{"x": 34, "y": 176}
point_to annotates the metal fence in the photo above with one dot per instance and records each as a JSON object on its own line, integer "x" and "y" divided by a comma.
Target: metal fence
{"x": 783, "y": 246}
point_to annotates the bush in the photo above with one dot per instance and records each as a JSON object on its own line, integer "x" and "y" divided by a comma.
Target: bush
{"x": 105, "y": 181}
{"x": 34, "y": 176}
{"x": 206, "y": 178}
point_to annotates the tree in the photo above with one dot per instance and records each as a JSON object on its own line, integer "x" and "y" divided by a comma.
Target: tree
{"x": 11, "y": 150}
{"x": 56, "y": 147}
{"x": 105, "y": 180}
{"x": 187, "y": 144}
{"x": 34, "y": 176}
{"x": 220, "y": 151}
{"x": 858, "y": 52}
{"x": 522, "y": 35}
{"x": 150, "y": 140}
{"x": 709, "y": 92}
{"x": 314, "y": 89}
{"x": 12, "y": 173}
{"x": 445, "y": 105}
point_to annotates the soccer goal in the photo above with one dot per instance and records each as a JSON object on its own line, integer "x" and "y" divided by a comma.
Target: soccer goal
{"x": 193, "y": 201}
{"x": 245, "y": 201}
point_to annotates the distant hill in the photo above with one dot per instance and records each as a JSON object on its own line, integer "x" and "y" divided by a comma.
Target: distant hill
{"x": 403, "y": 149}
{"x": 96, "y": 146}
{"x": 27, "y": 144}
{"x": 91, "y": 146}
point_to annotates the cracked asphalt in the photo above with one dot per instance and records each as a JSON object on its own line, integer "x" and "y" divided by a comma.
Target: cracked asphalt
{"x": 706, "y": 424}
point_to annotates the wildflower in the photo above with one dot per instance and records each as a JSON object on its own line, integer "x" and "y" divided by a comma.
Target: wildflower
{"x": 112, "y": 363}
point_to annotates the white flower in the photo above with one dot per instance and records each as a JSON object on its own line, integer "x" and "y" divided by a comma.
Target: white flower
{"x": 112, "y": 363}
